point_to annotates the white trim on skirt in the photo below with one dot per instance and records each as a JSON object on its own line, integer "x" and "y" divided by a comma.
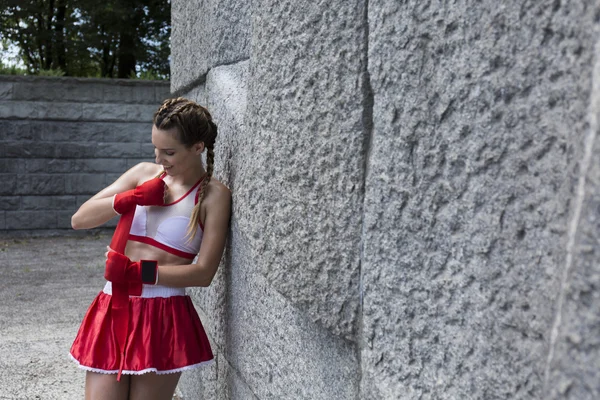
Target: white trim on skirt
{"x": 151, "y": 291}
{"x": 144, "y": 371}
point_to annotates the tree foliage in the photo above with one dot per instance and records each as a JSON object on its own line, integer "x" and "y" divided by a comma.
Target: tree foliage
{"x": 109, "y": 38}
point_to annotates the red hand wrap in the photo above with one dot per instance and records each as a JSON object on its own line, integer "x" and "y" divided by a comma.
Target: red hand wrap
{"x": 120, "y": 269}
{"x": 149, "y": 193}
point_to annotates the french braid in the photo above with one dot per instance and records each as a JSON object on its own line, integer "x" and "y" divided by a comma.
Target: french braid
{"x": 194, "y": 124}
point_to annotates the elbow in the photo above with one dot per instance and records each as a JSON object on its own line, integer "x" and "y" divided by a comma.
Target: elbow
{"x": 205, "y": 282}
{"x": 76, "y": 222}
{"x": 204, "y": 278}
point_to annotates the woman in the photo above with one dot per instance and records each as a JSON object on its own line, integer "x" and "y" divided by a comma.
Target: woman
{"x": 176, "y": 211}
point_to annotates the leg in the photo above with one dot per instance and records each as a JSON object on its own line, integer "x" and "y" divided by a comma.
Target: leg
{"x": 153, "y": 387}
{"x": 105, "y": 386}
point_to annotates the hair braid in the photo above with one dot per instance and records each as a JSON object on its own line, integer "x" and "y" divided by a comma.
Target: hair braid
{"x": 195, "y": 220}
{"x": 194, "y": 124}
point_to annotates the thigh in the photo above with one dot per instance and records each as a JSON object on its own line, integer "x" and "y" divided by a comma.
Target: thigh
{"x": 105, "y": 386}
{"x": 153, "y": 387}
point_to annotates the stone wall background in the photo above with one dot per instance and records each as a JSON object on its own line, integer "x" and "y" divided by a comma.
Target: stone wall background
{"x": 64, "y": 139}
{"x": 415, "y": 194}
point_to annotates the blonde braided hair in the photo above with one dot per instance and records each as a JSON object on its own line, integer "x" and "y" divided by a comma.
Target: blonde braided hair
{"x": 194, "y": 124}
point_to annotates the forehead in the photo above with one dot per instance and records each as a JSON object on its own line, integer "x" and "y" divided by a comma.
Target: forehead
{"x": 165, "y": 138}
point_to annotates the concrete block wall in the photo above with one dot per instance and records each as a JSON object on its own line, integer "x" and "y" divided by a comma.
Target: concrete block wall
{"x": 64, "y": 139}
{"x": 414, "y": 198}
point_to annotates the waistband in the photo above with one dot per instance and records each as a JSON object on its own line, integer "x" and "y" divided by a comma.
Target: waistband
{"x": 151, "y": 291}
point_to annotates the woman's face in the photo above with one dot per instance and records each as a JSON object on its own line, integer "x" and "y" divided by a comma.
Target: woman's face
{"x": 172, "y": 154}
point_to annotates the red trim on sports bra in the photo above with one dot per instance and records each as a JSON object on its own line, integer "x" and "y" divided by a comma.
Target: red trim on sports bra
{"x": 184, "y": 196}
{"x": 152, "y": 242}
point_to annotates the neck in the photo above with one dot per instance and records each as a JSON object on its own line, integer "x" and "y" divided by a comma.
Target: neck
{"x": 190, "y": 176}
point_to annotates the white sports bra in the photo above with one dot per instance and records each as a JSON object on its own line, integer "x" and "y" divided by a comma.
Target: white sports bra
{"x": 165, "y": 227}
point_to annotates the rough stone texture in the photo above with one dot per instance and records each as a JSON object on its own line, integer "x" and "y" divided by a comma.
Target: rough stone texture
{"x": 574, "y": 360}
{"x": 206, "y": 34}
{"x": 64, "y": 139}
{"x": 266, "y": 347}
{"x": 425, "y": 160}
{"x": 301, "y": 169}
{"x": 479, "y": 111}
{"x": 86, "y": 90}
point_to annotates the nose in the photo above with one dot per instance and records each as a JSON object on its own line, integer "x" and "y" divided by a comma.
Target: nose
{"x": 157, "y": 158}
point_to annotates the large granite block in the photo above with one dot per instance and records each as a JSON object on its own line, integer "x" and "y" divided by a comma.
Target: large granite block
{"x": 43, "y": 202}
{"x": 301, "y": 159}
{"x": 34, "y": 88}
{"x": 76, "y": 184}
{"x": 469, "y": 187}
{"x": 48, "y": 165}
{"x": 267, "y": 347}
{"x": 13, "y": 165}
{"x": 29, "y": 220}
{"x": 6, "y": 90}
{"x": 40, "y": 110}
{"x": 10, "y": 203}
{"x": 205, "y": 34}
{"x": 9, "y": 184}
{"x": 573, "y": 368}
{"x": 40, "y": 184}
{"x": 276, "y": 351}
{"x": 100, "y": 165}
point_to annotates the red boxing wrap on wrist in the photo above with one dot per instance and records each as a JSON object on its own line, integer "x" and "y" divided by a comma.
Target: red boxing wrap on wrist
{"x": 120, "y": 269}
{"x": 149, "y": 193}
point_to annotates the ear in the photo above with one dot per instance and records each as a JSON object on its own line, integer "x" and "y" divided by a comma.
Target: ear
{"x": 199, "y": 148}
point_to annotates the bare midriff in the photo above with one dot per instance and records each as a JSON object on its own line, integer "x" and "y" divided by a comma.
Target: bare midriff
{"x": 141, "y": 251}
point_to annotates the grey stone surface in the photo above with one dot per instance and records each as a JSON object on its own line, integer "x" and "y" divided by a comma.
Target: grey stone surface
{"x": 9, "y": 202}
{"x": 65, "y": 131}
{"x": 200, "y": 40}
{"x": 61, "y": 138}
{"x": 276, "y": 351}
{"x": 12, "y": 165}
{"x": 300, "y": 169}
{"x": 476, "y": 120}
{"x": 9, "y": 183}
{"x": 30, "y": 220}
{"x": 267, "y": 347}
{"x": 40, "y": 184}
{"x": 48, "y": 202}
{"x": 35, "y": 88}
{"x": 574, "y": 358}
{"x": 75, "y": 111}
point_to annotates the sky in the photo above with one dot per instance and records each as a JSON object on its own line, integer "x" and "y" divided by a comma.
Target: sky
{"x": 9, "y": 56}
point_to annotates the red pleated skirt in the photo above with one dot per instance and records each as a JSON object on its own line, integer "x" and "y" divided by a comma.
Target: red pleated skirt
{"x": 165, "y": 335}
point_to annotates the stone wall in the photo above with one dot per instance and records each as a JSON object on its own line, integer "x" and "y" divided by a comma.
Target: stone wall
{"x": 64, "y": 139}
{"x": 414, "y": 197}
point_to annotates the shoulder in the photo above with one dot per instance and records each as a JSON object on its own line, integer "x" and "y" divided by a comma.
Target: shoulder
{"x": 144, "y": 171}
{"x": 218, "y": 190}
{"x": 217, "y": 194}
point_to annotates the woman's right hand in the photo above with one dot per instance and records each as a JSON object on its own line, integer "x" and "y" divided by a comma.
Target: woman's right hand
{"x": 149, "y": 193}
{"x": 99, "y": 209}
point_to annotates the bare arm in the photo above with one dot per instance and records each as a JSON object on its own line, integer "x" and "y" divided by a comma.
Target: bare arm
{"x": 98, "y": 209}
{"x": 216, "y": 225}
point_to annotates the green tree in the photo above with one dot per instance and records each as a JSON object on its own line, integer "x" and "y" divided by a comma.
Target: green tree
{"x": 113, "y": 38}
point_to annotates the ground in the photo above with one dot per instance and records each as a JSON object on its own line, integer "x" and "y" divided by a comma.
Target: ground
{"x": 46, "y": 285}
